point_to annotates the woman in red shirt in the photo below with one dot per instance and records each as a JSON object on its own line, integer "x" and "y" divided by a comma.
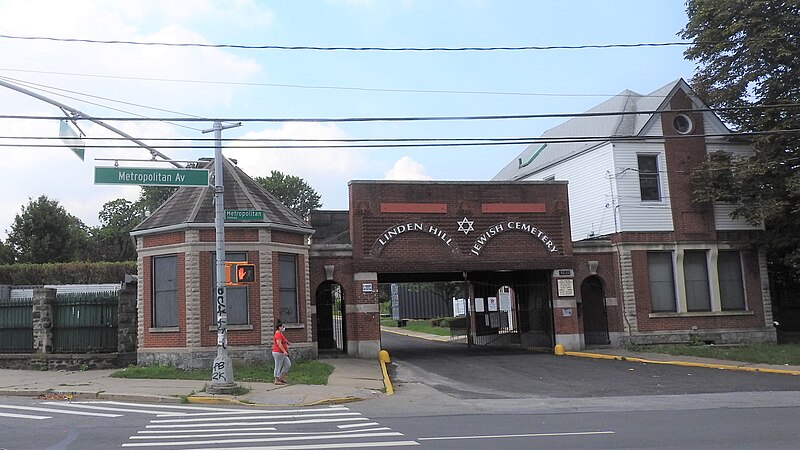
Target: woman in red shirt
{"x": 280, "y": 353}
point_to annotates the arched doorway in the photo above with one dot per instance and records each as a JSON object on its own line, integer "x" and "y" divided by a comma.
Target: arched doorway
{"x": 331, "y": 327}
{"x": 593, "y": 310}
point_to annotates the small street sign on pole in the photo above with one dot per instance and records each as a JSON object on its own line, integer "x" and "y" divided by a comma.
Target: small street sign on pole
{"x": 243, "y": 214}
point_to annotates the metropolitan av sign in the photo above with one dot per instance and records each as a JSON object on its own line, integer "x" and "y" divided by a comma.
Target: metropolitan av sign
{"x": 150, "y": 177}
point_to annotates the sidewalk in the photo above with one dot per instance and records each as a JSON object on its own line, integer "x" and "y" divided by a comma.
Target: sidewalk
{"x": 351, "y": 380}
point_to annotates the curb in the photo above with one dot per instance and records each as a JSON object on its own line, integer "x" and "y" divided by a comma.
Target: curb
{"x": 684, "y": 363}
{"x": 415, "y": 335}
{"x": 101, "y": 395}
{"x": 203, "y": 400}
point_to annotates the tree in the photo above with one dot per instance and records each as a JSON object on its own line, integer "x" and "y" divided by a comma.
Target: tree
{"x": 151, "y": 197}
{"x": 44, "y": 232}
{"x": 292, "y": 191}
{"x": 749, "y": 59}
{"x": 112, "y": 241}
{"x": 6, "y": 253}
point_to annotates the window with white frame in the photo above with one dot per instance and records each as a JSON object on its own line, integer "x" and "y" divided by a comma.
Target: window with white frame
{"x": 662, "y": 282}
{"x": 649, "y": 180}
{"x": 165, "y": 291}
{"x": 695, "y": 276}
{"x": 731, "y": 282}
{"x": 236, "y": 301}
{"x": 287, "y": 267}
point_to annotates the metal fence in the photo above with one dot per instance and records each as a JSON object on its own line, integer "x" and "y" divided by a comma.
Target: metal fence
{"x": 16, "y": 325}
{"x": 85, "y": 322}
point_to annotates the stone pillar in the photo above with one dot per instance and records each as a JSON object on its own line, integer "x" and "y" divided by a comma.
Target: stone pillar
{"x": 127, "y": 323}
{"x": 43, "y": 299}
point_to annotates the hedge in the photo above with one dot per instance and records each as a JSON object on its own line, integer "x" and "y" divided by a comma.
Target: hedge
{"x": 66, "y": 273}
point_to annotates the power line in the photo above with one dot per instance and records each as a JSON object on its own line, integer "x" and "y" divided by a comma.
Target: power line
{"x": 377, "y": 49}
{"x": 323, "y": 87}
{"x": 424, "y": 118}
{"x": 399, "y": 143}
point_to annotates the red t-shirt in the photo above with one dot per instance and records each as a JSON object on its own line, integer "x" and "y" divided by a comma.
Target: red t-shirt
{"x": 279, "y": 337}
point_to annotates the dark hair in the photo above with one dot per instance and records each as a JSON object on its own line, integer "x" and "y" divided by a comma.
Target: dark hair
{"x": 278, "y": 324}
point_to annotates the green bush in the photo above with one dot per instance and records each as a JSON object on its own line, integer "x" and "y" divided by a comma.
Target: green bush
{"x": 66, "y": 273}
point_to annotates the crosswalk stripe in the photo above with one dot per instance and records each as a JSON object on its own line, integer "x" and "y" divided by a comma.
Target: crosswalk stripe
{"x": 23, "y": 416}
{"x": 332, "y": 445}
{"x": 257, "y": 440}
{"x": 256, "y": 411}
{"x": 108, "y": 408}
{"x": 274, "y": 422}
{"x": 59, "y": 411}
{"x": 275, "y": 416}
{"x": 205, "y": 428}
{"x": 205, "y": 434}
{"x": 354, "y": 425}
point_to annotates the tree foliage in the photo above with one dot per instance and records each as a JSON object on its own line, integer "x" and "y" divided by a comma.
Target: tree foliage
{"x": 292, "y": 191}
{"x": 44, "y": 232}
{"x": 748, "y": 53}
{"x": 111, "y": 240}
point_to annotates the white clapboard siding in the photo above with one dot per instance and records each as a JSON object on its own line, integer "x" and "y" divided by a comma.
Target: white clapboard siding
{"x": 634, "y": 214}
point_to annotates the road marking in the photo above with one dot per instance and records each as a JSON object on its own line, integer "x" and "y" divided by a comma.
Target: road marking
{"x": 210, "y": 430}
{"x": 338, "y": 445}
{"x": 109, "y": 408}
{"x": 257, "y": 440}
{"x": 501, "y": 436}
{"x": 354, "y": 425}
{"x": 274, "y": 422}
{"x": 273, "y": 416}
{"x": 205, "y": 434}
{"x": 23, "y": 416}
{"x": 60, "y": 411}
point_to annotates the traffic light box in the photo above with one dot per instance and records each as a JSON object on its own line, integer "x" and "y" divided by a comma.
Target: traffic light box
{"x": 239, "y": 272}
{"x": 245, "y": 273}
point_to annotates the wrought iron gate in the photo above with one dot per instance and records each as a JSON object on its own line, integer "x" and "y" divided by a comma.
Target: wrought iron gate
{"x": 16, "y": 325}
{"x": 331, "y": 323}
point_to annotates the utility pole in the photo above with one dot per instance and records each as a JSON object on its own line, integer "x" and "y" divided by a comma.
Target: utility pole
{"x": 222, "y": 381}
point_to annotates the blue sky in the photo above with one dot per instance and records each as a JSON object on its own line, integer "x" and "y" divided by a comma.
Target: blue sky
{"x": 220, "y": 83}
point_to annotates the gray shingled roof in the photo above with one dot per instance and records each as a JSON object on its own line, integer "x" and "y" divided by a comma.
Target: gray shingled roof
{"x": 536, "y": 157}
{"x": 331, "y": 227}
{"x": 195, "y": 205}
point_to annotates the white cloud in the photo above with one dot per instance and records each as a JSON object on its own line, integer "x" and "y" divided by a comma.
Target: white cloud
{"x": 327, "y": 170}
{"x": 406, "y": 168}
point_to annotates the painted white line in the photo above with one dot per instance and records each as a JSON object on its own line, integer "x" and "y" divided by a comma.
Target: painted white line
{"x": 276, "y": 416}
{"x": 502, "y": 436}
{"x": 204, "y": 434}
{"x": 254, "y": 411}
{"x": 60, "y": 411}
{"x": 108, "y": 408}
{"x": 210, "y": 430}
{"x": 354, "y": 425}
{"x": 256, "y": 440}
{"x": 246, "y": 424}
{"x": 337, "y": 445}
{"x": 179, "y": 407}
{"x": 23, "y": 416}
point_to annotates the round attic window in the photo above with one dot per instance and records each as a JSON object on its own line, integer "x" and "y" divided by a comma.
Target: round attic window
{"x": 682, "y": 124}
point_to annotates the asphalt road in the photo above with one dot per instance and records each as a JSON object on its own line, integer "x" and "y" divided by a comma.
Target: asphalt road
{"x": 485, "y": 373}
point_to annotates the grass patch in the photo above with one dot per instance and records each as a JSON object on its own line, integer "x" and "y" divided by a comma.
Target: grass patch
{"x": 304, "y": 372}
{"x": 420, "y": 326}
{"x": 752, "y": 353}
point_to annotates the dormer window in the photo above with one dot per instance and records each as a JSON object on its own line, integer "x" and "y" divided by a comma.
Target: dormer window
{"x": 649, "y": 182}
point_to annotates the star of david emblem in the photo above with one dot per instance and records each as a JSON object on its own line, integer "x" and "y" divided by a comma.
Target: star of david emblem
{"x": 465, "y": 225}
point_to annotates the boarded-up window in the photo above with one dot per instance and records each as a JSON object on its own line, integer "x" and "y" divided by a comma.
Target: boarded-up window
{"x": 731, "y": 284}
{"x": 287, "y": 266}
{"x": 165, "y": 291}
{"x": 662, "y": 281}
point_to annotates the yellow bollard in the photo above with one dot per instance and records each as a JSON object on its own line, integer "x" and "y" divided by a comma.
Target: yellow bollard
{"x": 559, "y": 350}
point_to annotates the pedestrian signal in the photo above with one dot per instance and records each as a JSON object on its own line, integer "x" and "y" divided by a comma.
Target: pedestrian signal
{"x": 245, "y": 273}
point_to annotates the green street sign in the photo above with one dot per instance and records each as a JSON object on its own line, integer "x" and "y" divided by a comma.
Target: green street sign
{"x": 243, "y": 214}
{"x": 150, "y": 177}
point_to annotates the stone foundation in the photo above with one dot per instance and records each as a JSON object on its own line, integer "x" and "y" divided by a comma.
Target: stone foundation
{"x": 708, "y": 337}
{"x": 202, "y": 358}
{"x": 70, "y": 362}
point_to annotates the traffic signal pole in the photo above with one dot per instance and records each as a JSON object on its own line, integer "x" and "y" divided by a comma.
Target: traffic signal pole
{"x": 222, "y": 381}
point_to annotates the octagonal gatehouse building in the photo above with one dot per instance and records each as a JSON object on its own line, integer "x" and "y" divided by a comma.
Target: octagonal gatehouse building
{"x": 177, "y": 278}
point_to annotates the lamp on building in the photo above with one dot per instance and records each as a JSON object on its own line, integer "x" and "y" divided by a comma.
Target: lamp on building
{"x": 593, "y": 267}
{"x": 329, "y": 272}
